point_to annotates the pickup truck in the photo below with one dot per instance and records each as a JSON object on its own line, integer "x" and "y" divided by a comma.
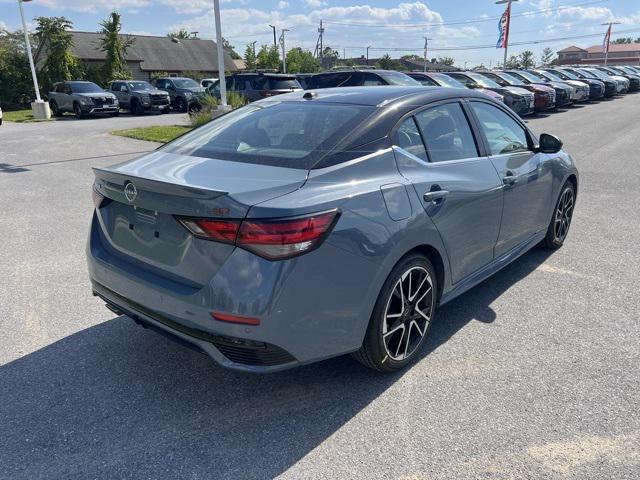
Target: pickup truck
{"x": 140, "y": 97}
{"x": 81, "y": 98}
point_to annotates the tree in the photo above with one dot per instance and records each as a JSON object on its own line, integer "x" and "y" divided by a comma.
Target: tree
{"x": 623, "y": 40}
{"x": 16, "y": 86}
{"x": 301, "y": 61}
{"x": 448, "y": 61}
{"x": 547, "y": 57}
{"x": 386, "y": 62}
{"x": 181, "y": 34}
{"x": 60, "y": 62}
{"x": 250, "y": 57}
{"x": 230, "y": 49}
{"x": 115, "y": 46}
{"x": 268, "y": 58}
{"x": 330, "y": 57}
{"x": 513, "y": 62}
{"x": 527, "y": 59}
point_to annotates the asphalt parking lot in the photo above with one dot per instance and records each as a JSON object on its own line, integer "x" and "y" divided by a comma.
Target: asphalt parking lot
{"x": 532, "y": 374}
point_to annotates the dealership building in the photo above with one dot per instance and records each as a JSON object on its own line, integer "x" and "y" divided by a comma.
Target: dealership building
{"x": 619, "y": 54}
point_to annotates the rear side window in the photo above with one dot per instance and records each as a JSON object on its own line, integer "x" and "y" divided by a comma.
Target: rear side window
{"x": 426, "y": 81}
{"x": 447, "y": 133}
{"x": 503, "y": 133}
{"x": 410, "y": 140}
{"x": 327, "y": 80}
{"x": 282, "y": 134}
{"x": 370, "y": 79}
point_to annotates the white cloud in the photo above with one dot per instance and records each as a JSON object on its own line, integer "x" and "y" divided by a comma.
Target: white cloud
{"x": 94, "y": 6}
{"x": 587, "y": 13}
{"x": 282, "y": 5}
{"x": 315, "y": 3}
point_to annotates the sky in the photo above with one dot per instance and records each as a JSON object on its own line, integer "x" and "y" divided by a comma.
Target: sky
{"x": 388, "y": 26}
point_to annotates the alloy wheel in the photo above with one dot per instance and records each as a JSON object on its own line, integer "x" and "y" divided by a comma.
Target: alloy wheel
{"x": 408, "y": 312}
{"x": 563, "y": 215}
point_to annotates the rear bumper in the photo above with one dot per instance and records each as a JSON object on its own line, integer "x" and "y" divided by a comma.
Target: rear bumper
{"x": 298, "y": 324}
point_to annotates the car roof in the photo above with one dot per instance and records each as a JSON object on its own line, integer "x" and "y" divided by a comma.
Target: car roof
{"x": 377, "y": 95}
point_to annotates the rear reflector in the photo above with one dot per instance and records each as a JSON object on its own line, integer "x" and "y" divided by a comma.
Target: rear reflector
{"x": 226, "y": 317}
{"x": 273, "y": 239}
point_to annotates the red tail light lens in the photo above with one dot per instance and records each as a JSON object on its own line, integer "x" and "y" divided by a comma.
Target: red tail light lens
{"x": 219, "y": 230}
{"x": 272, "y": 239}
{"x": 226, "y": 317}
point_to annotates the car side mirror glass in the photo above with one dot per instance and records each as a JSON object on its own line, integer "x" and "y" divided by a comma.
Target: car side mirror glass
{"x": 549, "y": 143}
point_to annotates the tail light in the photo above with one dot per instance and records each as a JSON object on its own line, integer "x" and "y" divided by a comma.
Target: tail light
{"x": 274, "y": 239}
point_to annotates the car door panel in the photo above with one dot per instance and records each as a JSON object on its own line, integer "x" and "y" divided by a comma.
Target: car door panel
{"x": 463, "y": 197}
{"x": 527, "y": 179}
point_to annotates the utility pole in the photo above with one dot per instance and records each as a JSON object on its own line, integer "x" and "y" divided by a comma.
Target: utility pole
{"x": 368, "y": 47}
{"x": 220, "y": 48}
{"x": 275, "y": 43}
{"x": 426, "y": 44}
{"x": 506, "y": 18}
{"x": 321, "y": 32}
{"x": 39, "y": 108}
{"x": 284, "y": 55}
{"x": 607, "y": 40}
{"x": 253, "y": 47}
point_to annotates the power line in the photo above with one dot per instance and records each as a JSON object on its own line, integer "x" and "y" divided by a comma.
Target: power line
{"x": 464, "y": 22}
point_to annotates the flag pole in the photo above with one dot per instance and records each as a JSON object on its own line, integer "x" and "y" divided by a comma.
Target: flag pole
{"x": 508, "y": 27}
{"x": 607, "y": 40}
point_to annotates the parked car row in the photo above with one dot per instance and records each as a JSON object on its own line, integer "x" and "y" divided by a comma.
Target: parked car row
{"x": 85, "y": 98}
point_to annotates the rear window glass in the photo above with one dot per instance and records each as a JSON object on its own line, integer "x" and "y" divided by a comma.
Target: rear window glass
{"x": 282, "y": 134}
{"x": 282, "y": 83}
{"x": 397, "y": 78}
{"x": 87, "y": 87}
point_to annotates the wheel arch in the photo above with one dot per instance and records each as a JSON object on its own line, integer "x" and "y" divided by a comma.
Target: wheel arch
{"x": 436, "y": 259}
{"x": 573, "y": 178}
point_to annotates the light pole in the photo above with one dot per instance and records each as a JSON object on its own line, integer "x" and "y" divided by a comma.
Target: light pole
{"x": 39, "y": 108}
{"x": 273, "y": 27}
{"x": 607, "y": 40}
{"x": 221, "y": 70}
{"x": 426, "y": 44}
{"x": 368, "y": 47}
{"x": 508, "y": 26}
{"x": 284, "y": 54}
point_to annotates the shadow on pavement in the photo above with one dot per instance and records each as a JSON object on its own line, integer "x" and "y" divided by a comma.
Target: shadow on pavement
{"x": 117, "y": 401}
{"x": 8, "y": 168}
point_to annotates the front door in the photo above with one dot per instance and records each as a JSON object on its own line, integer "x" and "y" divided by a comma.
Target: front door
{"x": 525, "y": 175}
{"x": 460, "y": 190}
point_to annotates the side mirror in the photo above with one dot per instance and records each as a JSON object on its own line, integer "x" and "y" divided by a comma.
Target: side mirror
{"x": 549, "y": 143}
{"x": 474, "y": 85}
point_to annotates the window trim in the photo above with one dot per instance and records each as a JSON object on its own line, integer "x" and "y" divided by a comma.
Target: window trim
{"x": 532, "y": 144}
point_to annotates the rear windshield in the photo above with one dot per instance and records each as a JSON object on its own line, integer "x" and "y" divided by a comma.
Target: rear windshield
{"x": 397, "y": 78}
{"x": 87, "y": 87}
{"x": 280, "y": 134}
{"x": 283, "y": 83}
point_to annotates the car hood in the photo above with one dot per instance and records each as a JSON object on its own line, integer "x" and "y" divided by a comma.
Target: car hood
{"x": 151, "y": 92}
{"x": 563, "y": 85}
{"x": 619, "y": 78}
{"x": 96, "y": 95}
{"x": 490, "y": 93}
{"x": 577, "y": 83}
{"x": 517, "y": 91}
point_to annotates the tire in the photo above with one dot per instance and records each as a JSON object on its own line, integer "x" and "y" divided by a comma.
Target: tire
{"x": 114, "y": 114}
{"x": 77, "y": 109}
{"x": 386, "y": 337}
{"x": 561, "y": 219}
{"x": 136, "y": 108}
{"x": 55, "y": 111}
{"x": 181, "y": 105}
{"x": 194, "y": 107}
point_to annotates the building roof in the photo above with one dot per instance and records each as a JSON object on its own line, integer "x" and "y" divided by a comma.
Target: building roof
{"x": 572, "y": 48}
{"x": 616, "y": 47}
{"x": 157, "y": 53}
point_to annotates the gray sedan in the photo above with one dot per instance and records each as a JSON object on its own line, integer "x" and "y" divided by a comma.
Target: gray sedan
{"x": 325, "y": 222}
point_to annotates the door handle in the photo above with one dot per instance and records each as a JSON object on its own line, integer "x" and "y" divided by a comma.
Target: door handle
{"x": 435, "y": 195}
{"x": 510, "y": 179}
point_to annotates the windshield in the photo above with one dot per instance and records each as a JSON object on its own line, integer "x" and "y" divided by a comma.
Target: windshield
{"x": 532, "y": 77}
{"x": 596, "y": 73}
{"x": 140, "y": 86}
{"x": 280, "y": 134}
{"x": 483, "y": 81}
{"x": 549, "y": 76}
{"x": 511, "y": 79}
{"x": 397, "y": 78}
{"x": 568, "y": 74}
{"x": 185, "y": 83}
{"x": 85, "y": 87}
{"x": 446, "y": 80}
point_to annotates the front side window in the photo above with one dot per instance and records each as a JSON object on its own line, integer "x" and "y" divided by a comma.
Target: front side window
{"x": 503, "y": 133}
{"x": 281, "y": 134}
{"x": 447, "y": 133}
{"x": 410, "y": 140}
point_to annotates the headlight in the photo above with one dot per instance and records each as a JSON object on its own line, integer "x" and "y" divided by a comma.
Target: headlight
{"x": 188, "y": 94}
{"x": 146, "y": 98}
{"x": 86, "y": 100}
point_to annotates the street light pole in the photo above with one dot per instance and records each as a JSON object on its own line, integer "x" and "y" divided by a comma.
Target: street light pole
{"x": 426, "y": 44}
{"x": 275, "y": 43}
{"x": 506, "y": 40}
{"x": 221, "y": 70}
{"x": 39, "y": 108}
{"x": 368, "y": 47}
{"x": 284, "y": 54}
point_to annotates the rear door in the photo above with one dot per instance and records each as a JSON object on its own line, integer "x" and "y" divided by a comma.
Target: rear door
{"x": 526, "y": 176}
{"x": 459, "y": 188}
